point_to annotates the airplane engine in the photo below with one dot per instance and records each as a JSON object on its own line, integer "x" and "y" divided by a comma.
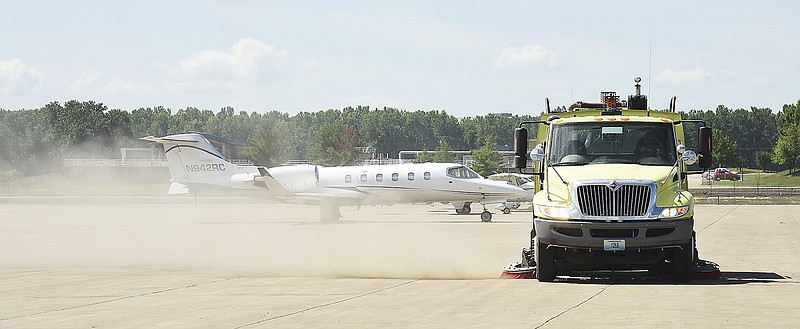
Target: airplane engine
{"x": 245, "y": 179}
{"x": 296, "y": 178}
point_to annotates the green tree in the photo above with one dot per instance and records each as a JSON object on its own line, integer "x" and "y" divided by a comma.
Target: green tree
{"x": 787, "y": 150}
{"x": 753, "y": 130}
{"x": 269, "y": 146}
{"x": 486, "y": 160}
{"x": 424, "y": 157}
{"x": 763, "y": 159}
{"x": 789, "y": 115}
{"x": 724, "y": 150}
{"x": 156, "y": 121}
{"x": 335, "y": 145}
{"x": 444, "y": 154}
{"x": 84, "y": 129}
{"x": 119, "y": 127}
{"x": 29, "y": 145}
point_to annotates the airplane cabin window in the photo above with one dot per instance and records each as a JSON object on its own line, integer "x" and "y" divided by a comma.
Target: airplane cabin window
{"x": 348, "y": 178}
{"x": 363, "y": 178}
{"x": 427, "y": 175}
{"x": 411, "y": 176}
{"x": 379, "y": 177}
{"x": 395, "y": 176}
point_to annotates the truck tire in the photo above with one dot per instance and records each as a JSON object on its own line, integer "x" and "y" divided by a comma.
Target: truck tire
{"x": 545, "y": 263}
{"x": 682, "y": 261}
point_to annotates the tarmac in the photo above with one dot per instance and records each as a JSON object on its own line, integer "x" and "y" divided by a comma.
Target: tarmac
{"x": 209, "y": 263}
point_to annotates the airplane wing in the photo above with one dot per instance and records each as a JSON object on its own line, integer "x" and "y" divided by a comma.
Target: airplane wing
{"x": 280, "y": 192}
{"x": 273, "y": 185}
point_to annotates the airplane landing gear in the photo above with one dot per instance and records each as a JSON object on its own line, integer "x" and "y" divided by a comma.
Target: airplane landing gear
{"x": 465, "y": 210}
{"x": 486, "y": 216}
{"x": 329, "y": 213}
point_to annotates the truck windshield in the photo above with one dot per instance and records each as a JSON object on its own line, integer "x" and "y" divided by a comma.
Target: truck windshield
{"x": 612, "y": 142}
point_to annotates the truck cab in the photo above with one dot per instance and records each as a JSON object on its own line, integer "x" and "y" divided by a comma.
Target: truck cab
{"x": 612, "y": 192}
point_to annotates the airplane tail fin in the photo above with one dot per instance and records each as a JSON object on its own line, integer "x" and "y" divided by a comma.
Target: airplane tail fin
{"x": 195, "y": 165}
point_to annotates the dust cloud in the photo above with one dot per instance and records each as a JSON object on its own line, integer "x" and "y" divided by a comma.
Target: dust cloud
{"x": 236, "y": 232}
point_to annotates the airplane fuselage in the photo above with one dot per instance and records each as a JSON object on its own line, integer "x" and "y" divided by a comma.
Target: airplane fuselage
{"x": 196, "y": 165}
{"x": 388, "y": 184}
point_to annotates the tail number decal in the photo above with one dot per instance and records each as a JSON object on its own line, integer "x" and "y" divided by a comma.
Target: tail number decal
{"x": 205, "y": 167}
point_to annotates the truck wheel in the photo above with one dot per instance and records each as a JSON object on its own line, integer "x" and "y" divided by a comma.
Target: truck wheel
{"x": 506, "y": 211}
{"x": 545, "y": 262}
{"x": 682, "y": 261}
{"x": 716, "y": 179}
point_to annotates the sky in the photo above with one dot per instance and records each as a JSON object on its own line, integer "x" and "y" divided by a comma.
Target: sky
{"x": 467, "y": 58}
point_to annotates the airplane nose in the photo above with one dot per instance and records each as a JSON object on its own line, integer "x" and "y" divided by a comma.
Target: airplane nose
{"x": 514, "y": 192}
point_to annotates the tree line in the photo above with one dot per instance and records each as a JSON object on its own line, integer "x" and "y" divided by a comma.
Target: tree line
{"x": 36, "y": 141}
{"x": 754, "y": 138}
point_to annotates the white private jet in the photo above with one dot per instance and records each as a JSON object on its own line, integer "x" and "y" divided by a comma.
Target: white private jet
{"x": 196, "y": 165}
{"x": 522, "y": 181}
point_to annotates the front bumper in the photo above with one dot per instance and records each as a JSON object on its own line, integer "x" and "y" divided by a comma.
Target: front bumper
{"x": 592, "y": 234}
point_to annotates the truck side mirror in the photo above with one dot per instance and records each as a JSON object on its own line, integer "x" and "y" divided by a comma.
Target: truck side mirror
{"x": 520, "y": 148}
{"x": 705, "y": 147}
{"x": 689, "y": 157}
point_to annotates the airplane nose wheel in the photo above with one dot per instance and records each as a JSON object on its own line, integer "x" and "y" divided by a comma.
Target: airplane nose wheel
{"x": 486, "y": 216}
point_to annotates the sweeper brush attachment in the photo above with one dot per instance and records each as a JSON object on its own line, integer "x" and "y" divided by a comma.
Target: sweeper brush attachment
{"x": 518, "y": 271}
{"x": 525, "y": 269}
{"x": 705, "y": 270}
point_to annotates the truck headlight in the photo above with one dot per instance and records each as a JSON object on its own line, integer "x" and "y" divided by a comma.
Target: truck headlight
{"x": 555, "y": 212}
{"x": 673, "y": 212}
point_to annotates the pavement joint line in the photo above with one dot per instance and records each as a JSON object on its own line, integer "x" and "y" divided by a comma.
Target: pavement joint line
{"x": 718, "y": 219}
{"x": 326, "y": 304}
{"x": 573, "y": 307}
{"x": 116, "y": 299}
{"x": 793, "y": 218}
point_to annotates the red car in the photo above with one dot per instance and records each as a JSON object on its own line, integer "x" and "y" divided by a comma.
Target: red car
{"x": 721, "y": 174}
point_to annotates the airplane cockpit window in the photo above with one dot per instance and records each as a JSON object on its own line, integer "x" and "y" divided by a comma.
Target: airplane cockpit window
{"x": 379, "y": 177}
{"x": 427, "y": 175}
{"x": 395, "y": 176}
{"x": 411, "y": 176}
{"x": 348, "y": 178}
{"x": 462, "y": 172}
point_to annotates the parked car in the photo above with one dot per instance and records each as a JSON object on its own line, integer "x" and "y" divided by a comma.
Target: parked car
{"x": 721, "y": 174}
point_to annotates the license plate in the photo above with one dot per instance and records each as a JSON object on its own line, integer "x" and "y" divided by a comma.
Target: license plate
{"x": 613, "y": 245}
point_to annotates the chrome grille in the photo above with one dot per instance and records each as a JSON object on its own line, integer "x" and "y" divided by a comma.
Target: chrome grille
{"x": 601, "y": 200}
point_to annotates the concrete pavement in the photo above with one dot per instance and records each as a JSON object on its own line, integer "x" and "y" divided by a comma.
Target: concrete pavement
{"x": 265, "y": 265}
